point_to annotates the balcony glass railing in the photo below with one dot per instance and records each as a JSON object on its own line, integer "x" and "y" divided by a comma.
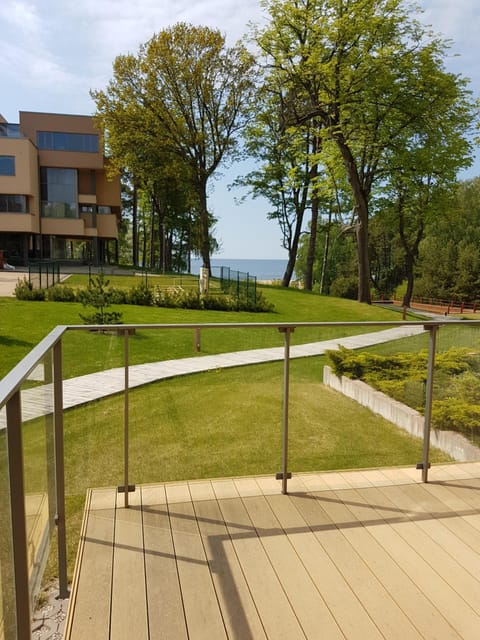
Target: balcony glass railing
{"x": 9, "y": 130}
{"x": 143, "y": 422}
{"x": 51, "y": 209}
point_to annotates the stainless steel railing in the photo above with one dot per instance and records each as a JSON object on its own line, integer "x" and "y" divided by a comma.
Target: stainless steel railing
{"x": 17, "y": 597}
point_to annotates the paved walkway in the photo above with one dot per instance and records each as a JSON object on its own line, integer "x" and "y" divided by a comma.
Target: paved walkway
{"x": 76, "y": 391}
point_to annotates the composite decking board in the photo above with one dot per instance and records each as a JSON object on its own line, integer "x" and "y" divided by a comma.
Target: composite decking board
{"x": 313, "y": 614}
{"x": 444, "y": 526}
{"x": 420, "y": 611}
{"x": 441, "y": 552}
{"x": 469, "y": 515}
{"x": 202, "y": 612}
{"x": 166, "y": 618}
{"x": 239, "y": 611}
{"x": 129, "y": 602}
{"x": 388, "y": 616}
{"x": 90, "y": 614}
{"x": 391, "y": 536}
{"x": 313, "y": 564}
{"x": 279, "y": 619}
{"x": 306, "y": 525}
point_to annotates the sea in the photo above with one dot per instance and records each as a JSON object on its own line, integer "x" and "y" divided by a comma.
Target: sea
{"x": 262, "y": 269}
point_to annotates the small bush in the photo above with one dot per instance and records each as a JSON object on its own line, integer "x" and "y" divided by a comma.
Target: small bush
{"x": 60, "y": 293}
{"x": 24, "y": 291}
{"x": 141, "y": 294}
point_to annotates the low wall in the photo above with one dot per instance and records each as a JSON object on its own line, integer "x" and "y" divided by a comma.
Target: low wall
{"x": 451, "y": 442}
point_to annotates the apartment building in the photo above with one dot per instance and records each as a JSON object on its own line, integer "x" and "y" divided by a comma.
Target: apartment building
{"x": 56, "y": 200}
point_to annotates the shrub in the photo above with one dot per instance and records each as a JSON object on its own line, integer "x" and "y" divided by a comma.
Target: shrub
{"x": 141, "y": 294}
{"x": 455, "y": 414}
{"x": 24, "y": 291}
{"x": 60, "y": 293}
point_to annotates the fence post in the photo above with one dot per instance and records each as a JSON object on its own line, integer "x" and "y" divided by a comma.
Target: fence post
{"x": 125, "y": 423}
{"x": 60, "y": 470}
{"x": 284, "y": 474}
{"x": 197, "y": 345}
{"x": 425, "y": 464}
{"x": 18, "y": 520}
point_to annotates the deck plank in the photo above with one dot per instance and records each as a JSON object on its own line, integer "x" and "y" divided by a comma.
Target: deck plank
{"x": 166, "y": 618}
{"x": 239, "y": 612}
{"x": 328, "y": 511}
{"x": 274, "y": 608}
{"x": 393, "y": 536}
{"x": 313, "y": 614}
{"x": 129, "y": 602}
{"x": 202, "y": 613}
{"x": 90, "y": 615}
{"x": 416, "y": 606}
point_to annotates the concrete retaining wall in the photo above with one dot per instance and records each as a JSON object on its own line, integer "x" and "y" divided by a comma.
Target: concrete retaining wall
{"x": 451, "y": 442}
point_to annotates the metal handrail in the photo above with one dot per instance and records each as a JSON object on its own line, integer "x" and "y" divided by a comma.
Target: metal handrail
{"x": 10, "y": 388}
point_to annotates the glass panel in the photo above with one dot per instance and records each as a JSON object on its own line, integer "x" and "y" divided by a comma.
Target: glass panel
{"x": 456, "y": 391}
{"x": 39, "y": 470}
{"x": 93, "y": 429}
{"x": 13, "y": 204}
{"x": 59, "y": 192}
{"x": 7, "y": 592}
{"x": 63, "y": 141}
{"x": 8, "y": 130}
{"x": 369, "y": 411}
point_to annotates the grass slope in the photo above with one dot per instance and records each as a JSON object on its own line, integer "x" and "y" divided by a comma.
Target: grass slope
{"x": 25, "y": 323}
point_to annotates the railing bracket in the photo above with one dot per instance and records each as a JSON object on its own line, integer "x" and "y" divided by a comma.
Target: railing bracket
{"x": 419, "y": 465}
{"x": 279, "y": 475}
{"x": 131, "y": 487}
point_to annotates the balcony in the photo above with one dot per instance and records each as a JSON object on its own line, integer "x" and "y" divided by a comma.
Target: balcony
{"x": 285, "y": 550}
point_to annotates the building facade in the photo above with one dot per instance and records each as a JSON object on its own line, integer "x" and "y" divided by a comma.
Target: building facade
{"x": 56, "y": 200}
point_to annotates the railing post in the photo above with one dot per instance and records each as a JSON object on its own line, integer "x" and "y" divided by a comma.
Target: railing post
{"x": 19, "y": 525}
{"x": 284, "y": 474}
{"x": 425, "y": 464}
{"x": 125, "y": 422}
{"x": 60, "y": 470}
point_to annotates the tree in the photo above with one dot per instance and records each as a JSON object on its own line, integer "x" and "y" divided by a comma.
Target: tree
{"x": 186, "y": 93}
{"x": 283, "y": 173}
{"x": 364, "y": 71}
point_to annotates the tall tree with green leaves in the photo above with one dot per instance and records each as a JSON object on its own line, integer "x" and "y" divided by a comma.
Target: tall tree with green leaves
{"x": 362, "y": 69}
{"x": 186, "y": 93}
{"x": 282, "y": 173}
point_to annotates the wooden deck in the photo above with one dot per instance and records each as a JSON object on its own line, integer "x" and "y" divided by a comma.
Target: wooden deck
{"x": 371, "y": 554}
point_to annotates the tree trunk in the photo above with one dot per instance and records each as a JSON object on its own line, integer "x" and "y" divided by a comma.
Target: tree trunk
{"x": 407, "y": 298}
{"x": 360, "y": 197}
{"x": 135, "y": 225}
{"x": 312, "y": 245}
{"x": 326, "y": 249}
{"x": 293, "y": 250}
{"x": 204, "y": 226}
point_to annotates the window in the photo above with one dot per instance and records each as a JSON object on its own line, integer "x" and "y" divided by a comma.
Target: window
{"x": 62, "y": 141}
{"x": 7, "y": 165}
{"x": 104, "y": 209}
{"x": 58, "y": 191}
{"x": 13, "y": 204}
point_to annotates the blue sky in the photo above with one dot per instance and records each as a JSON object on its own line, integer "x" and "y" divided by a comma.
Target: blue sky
{"x": 53, "y": 52}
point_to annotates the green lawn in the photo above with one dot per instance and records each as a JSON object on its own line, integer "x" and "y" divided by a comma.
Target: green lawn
{"x": 25, "y": 323}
